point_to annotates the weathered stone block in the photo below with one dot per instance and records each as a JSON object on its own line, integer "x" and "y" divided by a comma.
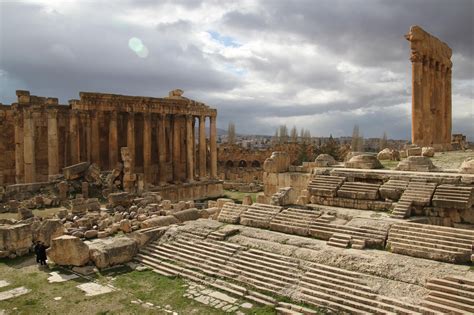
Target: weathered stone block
{"x": 68, "y": 250}
{"x": 113, "y": 251}
{"x": 75, "y": 171}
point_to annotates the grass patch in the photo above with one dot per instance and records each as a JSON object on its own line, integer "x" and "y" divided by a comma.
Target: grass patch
{"x": 238, "y": 196}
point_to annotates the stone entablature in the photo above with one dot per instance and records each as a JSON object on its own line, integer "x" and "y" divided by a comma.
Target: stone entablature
{"x": 40, "y": 136}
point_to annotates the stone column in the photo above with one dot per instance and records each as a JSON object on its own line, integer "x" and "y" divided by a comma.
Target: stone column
{"x": 29, "y": 147}
{"x": 213, "y": 147}
{"x": 417, "y": 98}
{"x": 162, "y": 147}
{"x": 189, "y": 148}
{"x": 113, "y": 140}
{"x": 87, "y": 116}
{"x": 131, "y": 139}
{"x": 176, "y": 148}
{"x": 202, "y": 147}
{"x": 147, "y": 147}
{"x": 74, "y": 136}
{"x": 448, "y": 106}
{"x": 19, "y": 150}
{"x": 53, "y": 142}
{"x": 95, "y": 135}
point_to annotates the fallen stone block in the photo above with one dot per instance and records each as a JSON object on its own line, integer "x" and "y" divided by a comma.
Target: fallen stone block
{"x": 112, "y": 251}
{"x": 187, "y": 215}
{"x": 75, "y": 171}
{"x": 159, "y": 221}
{"x": 68, "y": 250}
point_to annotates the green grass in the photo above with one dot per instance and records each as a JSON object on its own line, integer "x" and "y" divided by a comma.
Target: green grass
{"x": 389, "y": 164}
{"x": 237, "y": 196}
{"x": 131, "y": 285}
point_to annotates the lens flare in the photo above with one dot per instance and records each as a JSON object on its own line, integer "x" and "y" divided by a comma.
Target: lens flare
{"x": 136, "y": 45}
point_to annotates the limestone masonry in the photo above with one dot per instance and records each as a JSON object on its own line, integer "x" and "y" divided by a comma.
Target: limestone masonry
{"x": 40, "y": 137}
{"x": 431, "y": 89}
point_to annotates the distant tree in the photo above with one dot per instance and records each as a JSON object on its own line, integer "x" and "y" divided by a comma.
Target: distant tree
{"x": 307, "y": 136}
{"x": 294, "y": 135}
{"x": 330, "y": 147}
{"x": 275, "y": 138}
{"x": 383, "y": 142}
{"x": 231, "y": 133}
{"x": 303, "y": 153}
{"x": 283, "y": 133}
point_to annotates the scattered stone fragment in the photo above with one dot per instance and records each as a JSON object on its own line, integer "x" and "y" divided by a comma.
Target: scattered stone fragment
{"x": 93, "y": 289}
{"x": 4, "y": 283}
{"x": 6, "y": 295}
{"x": 59, "y": 277}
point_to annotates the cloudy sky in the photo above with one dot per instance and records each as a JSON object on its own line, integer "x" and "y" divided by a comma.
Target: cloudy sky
{"x": 320, "y": 65}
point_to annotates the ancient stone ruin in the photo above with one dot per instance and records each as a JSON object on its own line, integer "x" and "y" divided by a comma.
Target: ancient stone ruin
{"x": 42, "y": 137}
{"x": 431, "y": 89}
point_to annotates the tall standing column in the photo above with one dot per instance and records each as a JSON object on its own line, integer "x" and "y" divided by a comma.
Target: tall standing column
{"x": 176, "y": 148}
{"x": 202, "y": 147}
{"x": 19, "y": 150}
{"x": 74, "y": 136}
{"x": 147, "y": 147}
{"x": 417, "y": 98}
{"x": 29, "y": 147}
{"x": 162, "y": 147}
{"x": 448, "y": 107}
{"x": 53, "y": 142}
{"x": 131, "y": 139}
{"x": 95, "y": 135}
{"x": 113, "y": 140}
{"x": 87, "y": 117}
{"x": 189, "y": 148}
{"x": 213, "y": 147}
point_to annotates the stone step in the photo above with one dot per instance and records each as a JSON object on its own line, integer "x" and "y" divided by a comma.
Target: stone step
{"x": 423, "y": 238}
{"x": 330, "y": 229}
{"x": 328, "y": 281}
{"x": 253, "y": 257}
{"x": 236, "y": 261}
{"x": 427, "y": 252}
{"x": 451, "y": 300}
{"x": 442, "y": 230}
{"x": 208, "y": 247}
{"x": 427, "y": 234}
{"x": 429, "y": 243}
{"x": 261, "y": 275}
{"x": 336, "y": 307}
{"x": 191, "y": 262}
{"x": 205, "y": 254}
{"x": 343, "y": 300}
{"x": 417, "y": 309}
{"x": 442, "y": 308}
{"x": 451, "y": 287}
{"x": 284, "y": 259}
{"x": 298, "y": 308}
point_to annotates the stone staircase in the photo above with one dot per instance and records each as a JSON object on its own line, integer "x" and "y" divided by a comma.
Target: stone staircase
{"x": 259, "y": 215}
{"x": 359, "y": 190}
{"x": 451, "y": 196}
{"x": 431, "y": 242}
{"x": 265, "y": 271}
{"x": 418, "y": 193}
{"x": 322, "y": 185}
{"x": 340, "y": 240}
{"x": 253, "y": 274}
{"x": 450, "y": 295}
{"x": 368, "y": 236}
{"x": 393, "y": 189}
{"x": 402, "y": 209}
{"x": 231, "y": 212}
{"x": 294, "y": 221}
{"x": 345, "y": 291}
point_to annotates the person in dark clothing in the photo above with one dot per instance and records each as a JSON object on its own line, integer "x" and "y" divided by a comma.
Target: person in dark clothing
{"x": 42, "y": 253}
{"x": 37, "y": 250}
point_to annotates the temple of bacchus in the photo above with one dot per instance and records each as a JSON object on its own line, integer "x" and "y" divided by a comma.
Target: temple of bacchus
{"x": 41, "y": 136}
